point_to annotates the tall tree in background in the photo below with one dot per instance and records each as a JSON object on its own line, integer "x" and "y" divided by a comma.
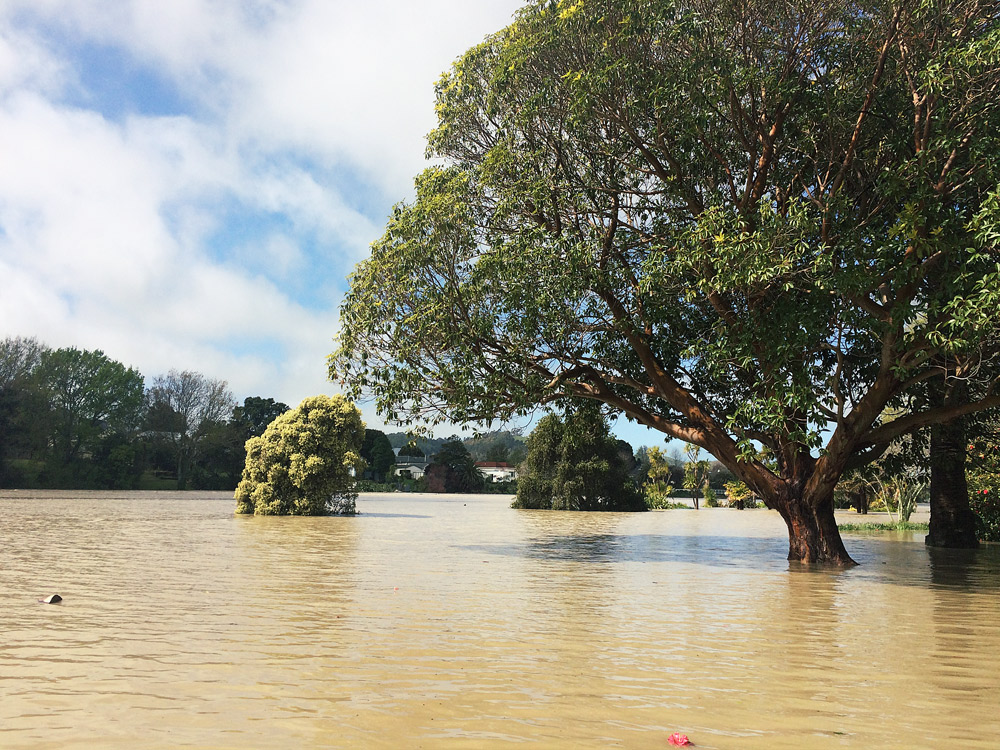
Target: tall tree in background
{"x": 19, "y": 357}
{"x": 454, "y": 470}
{"x": 256, "y": 413}
{"x": 738, "y": 223}
{"x": 90, "y": 398}
{"x": 378, "y": 454}
{"x": 186, "y": 406}
{"x": 574, "y": 463}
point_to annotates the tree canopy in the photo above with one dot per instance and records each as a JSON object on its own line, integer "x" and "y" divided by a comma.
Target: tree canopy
{"x": 302, "y": 465}
{"x": 454, "y": 470}
{"x": 187, "y": 407}
{"x": 378, "y": 455}
{"x": 89, "y": 396}
{"x": 742, "y": 224}
{"x": 574, "y": 463}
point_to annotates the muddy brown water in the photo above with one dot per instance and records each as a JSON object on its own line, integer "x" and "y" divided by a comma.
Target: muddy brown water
{"x": 455, "y": 622}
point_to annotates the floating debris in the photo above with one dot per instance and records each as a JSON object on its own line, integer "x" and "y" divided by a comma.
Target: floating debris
{"x": 54, "y": 599}
{"x": 679, "y": 740}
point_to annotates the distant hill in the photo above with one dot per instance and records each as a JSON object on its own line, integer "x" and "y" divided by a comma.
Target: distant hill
{"x": 499, "y": 445}
{"x": 429, "y": 446}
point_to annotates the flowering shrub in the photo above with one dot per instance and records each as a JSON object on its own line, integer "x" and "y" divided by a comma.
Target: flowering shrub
{"x": 983, "y": 475}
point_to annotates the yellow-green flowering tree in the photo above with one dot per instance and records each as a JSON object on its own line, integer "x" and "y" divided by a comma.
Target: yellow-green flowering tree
{"x": 302, "y": 464}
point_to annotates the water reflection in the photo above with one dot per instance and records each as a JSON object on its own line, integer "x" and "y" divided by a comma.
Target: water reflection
{"x": 457, "y": 622}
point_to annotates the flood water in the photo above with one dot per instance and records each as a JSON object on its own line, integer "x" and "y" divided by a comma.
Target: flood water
{"x": 456, "y": 622}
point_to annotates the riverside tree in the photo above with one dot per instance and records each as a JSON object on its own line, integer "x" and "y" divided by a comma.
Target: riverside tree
{"x": 744, "y": 224}
{"x": 304, "y": 463}
{"x": 574, "y": 463}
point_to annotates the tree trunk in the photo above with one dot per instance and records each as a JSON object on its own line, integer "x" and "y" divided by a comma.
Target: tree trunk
{"x": 953, "y": 524}
{"x": 813, "y": 536}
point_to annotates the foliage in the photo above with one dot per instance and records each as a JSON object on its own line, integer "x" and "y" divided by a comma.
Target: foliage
{"x": 90, "y": 399}
{"x": 19, "y": 402}
{"x": 737, "y": 223}
{"x": 657, "y": 488}
{"x": 370, "y": 485}
{"x": 378, "y": 455}
{"x": 739, "y": 496}
{"x": 428, "y": 444}
{"x": 302, "y": 463}
{"x": 188, "y": 407}
{"x": 47, "y": 440}
{"x": 573, "y": 463}
{"x": 899, "y": 495}
{"x": 411, "y": 450}
{"x": 984, "y": 486}
{"x": 888, "y": 485}
{"x": 256, "y": 414}
{"x": 454, "y": 470}
{"x": 505, "y": 487}
{"x": 696, "y": 472}
{"x": 19, "y": 356}
{"x": 499, "y": 445}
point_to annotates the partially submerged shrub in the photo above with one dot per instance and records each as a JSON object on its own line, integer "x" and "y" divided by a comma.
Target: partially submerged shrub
{"x": 302, "y": 465}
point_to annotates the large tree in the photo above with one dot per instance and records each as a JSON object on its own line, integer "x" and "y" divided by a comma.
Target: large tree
{"x": 573, "y": 463}
{"x": 256, "y": 413}
{"x": 19, "y": 402}
{"x": 743, "y": 224}
{"x": 186, "y": 407}
{"x": 90, "y": 397}
{"x": 453, "y": 469}
{"x": 378, "y": 454}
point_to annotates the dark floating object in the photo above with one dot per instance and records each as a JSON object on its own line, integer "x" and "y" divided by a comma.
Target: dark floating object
{"x": 54, "y": 599}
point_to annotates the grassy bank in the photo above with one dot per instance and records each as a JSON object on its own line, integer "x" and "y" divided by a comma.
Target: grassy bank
{"x": 898, "y": 526}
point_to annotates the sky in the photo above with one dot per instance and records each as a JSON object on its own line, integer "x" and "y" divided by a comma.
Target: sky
{"x": 187, "y": 184}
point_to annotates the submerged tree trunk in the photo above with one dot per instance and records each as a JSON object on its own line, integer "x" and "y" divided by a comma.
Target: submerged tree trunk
{"x": 805, "y": 502}
{"x": 953, "y": 524}
{"x": 813, "y": 536}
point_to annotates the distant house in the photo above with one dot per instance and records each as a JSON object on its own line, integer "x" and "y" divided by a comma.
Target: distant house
{"x": 497, "y": 471}
{"x": 410, "y": 467}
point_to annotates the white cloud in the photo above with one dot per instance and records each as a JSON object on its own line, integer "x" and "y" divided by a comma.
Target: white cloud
{"x": 307, "y": 118}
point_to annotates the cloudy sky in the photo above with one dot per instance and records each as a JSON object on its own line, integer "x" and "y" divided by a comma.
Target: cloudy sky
{"x": 187, "y": 184}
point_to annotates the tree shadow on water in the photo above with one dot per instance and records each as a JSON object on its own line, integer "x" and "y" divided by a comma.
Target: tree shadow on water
{"x": 732, "y": 552}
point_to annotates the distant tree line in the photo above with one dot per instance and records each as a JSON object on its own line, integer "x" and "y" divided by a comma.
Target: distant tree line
{"x": 75, "y": 418}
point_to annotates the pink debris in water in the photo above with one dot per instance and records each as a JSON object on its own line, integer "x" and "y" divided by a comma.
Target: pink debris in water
{"x": 679, "y": 740}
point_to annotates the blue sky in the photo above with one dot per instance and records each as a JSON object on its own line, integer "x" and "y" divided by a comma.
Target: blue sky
{"x": 187, "y": 184}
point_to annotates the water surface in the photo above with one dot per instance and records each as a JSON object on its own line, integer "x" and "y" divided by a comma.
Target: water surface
{"x": 455, "y": 622}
